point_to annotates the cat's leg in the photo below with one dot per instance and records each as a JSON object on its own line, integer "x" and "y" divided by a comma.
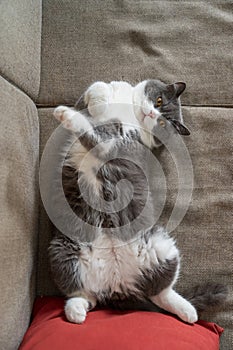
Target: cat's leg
{"x": 88, "y": 136}
{"x": 171, "y": 301}
{"x": 167, "y": 256}
{"x": 78, "y": 305}
{"x": 72, "y": 120}
{"x": 79, "y": 124}
{"x": 65, "y": 261}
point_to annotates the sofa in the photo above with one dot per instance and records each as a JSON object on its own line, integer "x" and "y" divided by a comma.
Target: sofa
{"x": 51, "y": 51}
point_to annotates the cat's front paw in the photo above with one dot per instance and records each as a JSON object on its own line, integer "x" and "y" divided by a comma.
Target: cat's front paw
{"x": 60, "y": 113}
{"x": 76, "y": 310}
{"x": 67, "y": 116}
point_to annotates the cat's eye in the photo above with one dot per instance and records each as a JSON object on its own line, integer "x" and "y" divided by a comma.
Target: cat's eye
{"x": 159, "y": 101}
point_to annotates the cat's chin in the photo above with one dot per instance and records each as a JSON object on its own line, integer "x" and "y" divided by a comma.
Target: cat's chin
{"x": 141, "y": 117}
{"x": 149, "y": 122}
{"x": 153, "y": 115}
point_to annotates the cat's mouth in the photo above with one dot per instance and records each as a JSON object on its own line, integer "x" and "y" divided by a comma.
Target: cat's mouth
{"x": 151, "y": 115}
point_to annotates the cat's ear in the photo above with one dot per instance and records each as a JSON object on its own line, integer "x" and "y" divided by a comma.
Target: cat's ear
{"x": 180, "y": 128}
{"x": 179, "y": 88}
{"x": 176, "y": 89}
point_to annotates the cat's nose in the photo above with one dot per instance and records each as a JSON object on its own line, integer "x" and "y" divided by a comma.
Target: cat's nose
{"x": 152, "y": 114}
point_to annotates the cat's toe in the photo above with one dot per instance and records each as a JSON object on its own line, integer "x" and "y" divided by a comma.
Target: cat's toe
{"x": 59, "y": 113}
{"x": 76, "y": 310}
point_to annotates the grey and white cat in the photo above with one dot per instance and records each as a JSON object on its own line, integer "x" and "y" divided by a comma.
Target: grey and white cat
{"x": 113, "y": 268}
{"x": 142, "y": 105}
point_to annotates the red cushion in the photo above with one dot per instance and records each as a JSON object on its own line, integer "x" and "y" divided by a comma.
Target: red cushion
{"x": 107, "y": 329}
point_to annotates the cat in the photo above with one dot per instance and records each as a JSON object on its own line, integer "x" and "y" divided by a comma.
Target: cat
{"x": 120, "y": 262}
{"x": 148, "y": 101}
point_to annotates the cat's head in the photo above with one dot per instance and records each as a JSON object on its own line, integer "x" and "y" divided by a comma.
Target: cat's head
{"x": 153, "y": 98}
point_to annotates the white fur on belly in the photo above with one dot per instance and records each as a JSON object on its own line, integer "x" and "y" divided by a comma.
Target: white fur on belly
{"x": 112, "y": 263}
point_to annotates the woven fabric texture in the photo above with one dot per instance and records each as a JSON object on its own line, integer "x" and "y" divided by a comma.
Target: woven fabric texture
{"x": 85, "y": 41}
{"x": 205, "y": 234}
{"x": 19, "y": 144}
{"x": 20, "y": 49}
{"x": 51, "y": 51}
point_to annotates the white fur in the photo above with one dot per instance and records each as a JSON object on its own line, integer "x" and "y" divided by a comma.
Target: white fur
{"x": 82, "y": 160}
{"x": 72, "y": 119}
{"x": 111, "y": 263}
{"x": 116, "y": 100}
{"x": 85, "y": 162}
{"x": 142, "y": 106}
{"x": 101, "y": 97}
{"x": 76, "y": 309}
{"x": 120, "y": 100}
{"x": 129, "y": 104}
{"x": 171, "y": 301}
{"x": 97, "y": 99}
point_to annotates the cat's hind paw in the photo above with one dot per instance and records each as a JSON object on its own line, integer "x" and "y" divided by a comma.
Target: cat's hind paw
{"x": 189, "y": 314}
{"x": 97, "y": 98}
{"x": 76, "y": 310}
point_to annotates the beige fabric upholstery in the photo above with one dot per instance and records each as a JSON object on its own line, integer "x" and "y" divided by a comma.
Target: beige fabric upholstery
{"x": 53, "y": 52}
{"x": 45, "y": 285}
{"x": 20, "y": 34}
{"x": 18, "y": 212}
{"x": 85, "y": 41}
{"x": 205, "y": 234}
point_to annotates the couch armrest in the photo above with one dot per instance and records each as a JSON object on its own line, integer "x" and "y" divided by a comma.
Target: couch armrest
{"x": 20, "y": 37}
{"x": 19, "y": 145}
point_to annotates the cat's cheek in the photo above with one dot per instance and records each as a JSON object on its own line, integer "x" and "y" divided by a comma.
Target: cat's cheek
{"x": 138, "y": 113}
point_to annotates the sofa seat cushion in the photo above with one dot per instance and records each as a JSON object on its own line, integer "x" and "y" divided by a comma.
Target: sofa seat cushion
{"x": 110, "y": 329}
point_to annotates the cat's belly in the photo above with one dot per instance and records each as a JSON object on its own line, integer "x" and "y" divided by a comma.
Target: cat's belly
{"x": 115, "y": 266}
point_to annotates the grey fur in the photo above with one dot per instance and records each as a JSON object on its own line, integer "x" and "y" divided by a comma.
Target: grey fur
{"x": 64, "y": 258}
{"x": 153, "y": 281}
{"x": 65, "y": 252}
{"x": 110, "y": 173}
{"x": 64, "y": 255}
{"x": 171, "y": 107}
{"x": 211, "y": 294}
